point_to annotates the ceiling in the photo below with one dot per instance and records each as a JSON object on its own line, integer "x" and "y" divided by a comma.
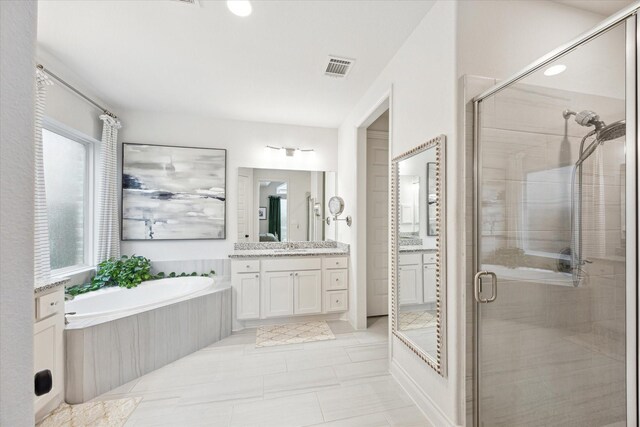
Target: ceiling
{"x": 601, "y": 7}
{"x": 167, "y": 56}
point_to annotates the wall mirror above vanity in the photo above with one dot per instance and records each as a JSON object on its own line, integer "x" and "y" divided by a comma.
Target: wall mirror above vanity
{"x": 419, "y": 247}
{"x": 279, "y": 205}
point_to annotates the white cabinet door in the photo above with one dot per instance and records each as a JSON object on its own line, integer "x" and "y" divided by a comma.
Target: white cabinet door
{"x": 307, "y": 292}
{"x": 410, "y": 278}
{"x": 49, "y": 354}
{"x": 277, "y": 294}
{"x": 429, "y": 282}
{"x": 247, "y": 293}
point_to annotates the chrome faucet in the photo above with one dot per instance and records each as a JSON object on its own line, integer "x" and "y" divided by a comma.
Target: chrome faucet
{"x": 71, "y": 313}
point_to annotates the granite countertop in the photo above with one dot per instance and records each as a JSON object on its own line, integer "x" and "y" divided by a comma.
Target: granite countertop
{"x": 416, "y": 249}
{"x": 49, "y": 286}
{"x": 290, "y": 249}
{"x": 275, "y": 253}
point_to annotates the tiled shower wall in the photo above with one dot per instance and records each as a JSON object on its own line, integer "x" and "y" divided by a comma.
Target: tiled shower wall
{"x": 565, "y": 350}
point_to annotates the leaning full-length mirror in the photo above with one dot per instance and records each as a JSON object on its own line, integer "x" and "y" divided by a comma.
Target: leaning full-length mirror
{"x": 418, "y": 236}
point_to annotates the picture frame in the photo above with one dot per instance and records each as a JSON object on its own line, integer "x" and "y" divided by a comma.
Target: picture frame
{"x": 262, "y": 213}
{"x": 173, "y": 192}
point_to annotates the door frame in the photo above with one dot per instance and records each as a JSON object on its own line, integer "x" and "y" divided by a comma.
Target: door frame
{"x": 358, "y": 305}
{"x": 632, "y": 42}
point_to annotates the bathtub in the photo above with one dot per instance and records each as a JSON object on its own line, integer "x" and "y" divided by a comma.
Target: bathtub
{"x": 119, "y": 334}
{"x": 121, "y": 302}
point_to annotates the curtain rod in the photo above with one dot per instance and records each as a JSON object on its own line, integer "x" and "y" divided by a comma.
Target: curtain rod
{"x": 76, "y": 91}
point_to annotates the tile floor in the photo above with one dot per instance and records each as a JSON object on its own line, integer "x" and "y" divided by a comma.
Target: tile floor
{"x": 342, "y": 382}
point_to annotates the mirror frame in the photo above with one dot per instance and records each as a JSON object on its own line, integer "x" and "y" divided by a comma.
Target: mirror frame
{"x": 439, "y": 362}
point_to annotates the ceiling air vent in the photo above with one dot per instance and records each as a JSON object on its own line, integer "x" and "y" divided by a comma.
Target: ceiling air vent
{"x": 338, "y": 67}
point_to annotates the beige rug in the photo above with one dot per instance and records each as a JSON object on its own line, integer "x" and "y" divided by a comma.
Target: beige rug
{"x": 293, "y": 333}
{"x": 416, "y": 320}
{"x": 106, "y": 413}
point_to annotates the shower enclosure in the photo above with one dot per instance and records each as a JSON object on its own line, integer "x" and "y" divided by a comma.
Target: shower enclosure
{"x": 555, "y": 238}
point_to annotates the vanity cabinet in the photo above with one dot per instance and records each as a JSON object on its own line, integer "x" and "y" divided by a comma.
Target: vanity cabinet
{"x": 277, "y": 294}
{"x": 280, "y": 287}
{"x": 307, "y": 292}
{"x": 429, "y": 283}
{"x": 410, "y": 284}
{"x": 336, "y": 283}
{"x": 48, "y": 348}
{"x": 417, "y": 278}
{"x": 247, "y": 286}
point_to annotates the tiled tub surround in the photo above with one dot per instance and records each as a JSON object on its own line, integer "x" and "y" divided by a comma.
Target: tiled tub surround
{"x": 553, "y": 354}
{"x": 104, "y": 353}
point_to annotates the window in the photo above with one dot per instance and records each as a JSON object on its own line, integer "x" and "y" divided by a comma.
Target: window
{"x": 68, "y": 170}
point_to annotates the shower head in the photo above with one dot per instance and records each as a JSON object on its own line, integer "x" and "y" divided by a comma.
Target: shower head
{"x": 612, "y": 131}
{"x": 585, "y": 118}
{"x": 603, "y": 134}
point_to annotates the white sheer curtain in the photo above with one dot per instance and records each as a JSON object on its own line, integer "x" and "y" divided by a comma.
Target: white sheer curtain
{"x": 42, "y": 260}
{"x": 108, "y": 221}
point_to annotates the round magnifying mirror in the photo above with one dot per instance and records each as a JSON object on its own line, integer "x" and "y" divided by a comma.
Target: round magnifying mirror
{"x": 336, "y": 205}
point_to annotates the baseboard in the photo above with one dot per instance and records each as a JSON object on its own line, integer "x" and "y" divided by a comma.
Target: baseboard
{"x": 424, "y": 402}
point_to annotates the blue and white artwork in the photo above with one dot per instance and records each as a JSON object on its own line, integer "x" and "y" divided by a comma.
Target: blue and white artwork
{"x": 173, "y": 193}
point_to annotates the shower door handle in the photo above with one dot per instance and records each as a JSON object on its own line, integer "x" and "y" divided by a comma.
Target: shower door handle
{"x": 477, "y": 282}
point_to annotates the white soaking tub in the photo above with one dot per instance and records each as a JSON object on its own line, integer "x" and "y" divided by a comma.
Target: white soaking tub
{"x": 119, "y": 334}
{"x": 119, "y": 302}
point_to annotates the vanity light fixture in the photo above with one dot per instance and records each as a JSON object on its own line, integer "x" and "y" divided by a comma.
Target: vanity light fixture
{"x": 291, "y": 151}
{"x": 555, "y": 70}
{"x": 240, "y": 7}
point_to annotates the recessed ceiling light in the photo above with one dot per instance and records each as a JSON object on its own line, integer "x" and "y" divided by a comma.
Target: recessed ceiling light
{"x": 555, "y": 69}
{"x": 240, "y": 7}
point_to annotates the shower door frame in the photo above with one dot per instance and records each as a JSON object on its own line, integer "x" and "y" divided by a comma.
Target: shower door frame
{"x": 628, "y": 15}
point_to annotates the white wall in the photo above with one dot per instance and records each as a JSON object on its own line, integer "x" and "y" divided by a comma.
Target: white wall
{"x": 17, "y": 72}
{"x": 423, "y": 76}
{"x": 498, "y": 38}
{"x": 245, "y": 143}
{"x": 66, "y": 107}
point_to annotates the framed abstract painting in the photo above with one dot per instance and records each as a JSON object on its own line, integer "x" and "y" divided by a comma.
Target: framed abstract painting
{"x": 173, "y": 193}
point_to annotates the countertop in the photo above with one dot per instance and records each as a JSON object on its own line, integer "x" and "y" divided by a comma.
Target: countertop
{"x": 49, "y": 286}
{"x": 280, "y": 253}
{"x": 416, "y": 249}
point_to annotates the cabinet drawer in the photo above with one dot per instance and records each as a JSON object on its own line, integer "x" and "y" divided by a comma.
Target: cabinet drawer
{"x": 410, "y": 259}
{"x": 336, "y": 262}
{"x": 429, "y": 258}
{"x": 335, "y": 301}
{"x": 336, "y": 279}
{"x": 49, "y": 304}
{"x": 291, "y": 264}
{"x": 247, "y": 266}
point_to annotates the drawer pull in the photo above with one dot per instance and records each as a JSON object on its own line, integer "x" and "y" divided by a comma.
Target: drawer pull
{"x": 337, "y": 301}
{"x": 53, "y": 303}
{"x": 257, "y": 275}
{"x": 337, "y": 280}
{"x": 248, "y": 266}
{"x": 337, "y": 262}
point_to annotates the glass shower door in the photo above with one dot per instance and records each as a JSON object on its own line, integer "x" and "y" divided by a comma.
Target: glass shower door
{"x": 551, "y": 349}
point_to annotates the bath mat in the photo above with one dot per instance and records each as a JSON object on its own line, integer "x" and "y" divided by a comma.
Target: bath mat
{"x": 293, "y": 333}
{"x": 105, "y": 413}
{"x": 416, "y": 320}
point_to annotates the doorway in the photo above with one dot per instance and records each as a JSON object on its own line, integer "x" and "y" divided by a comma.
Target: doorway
{"x": 377, "y": 230}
